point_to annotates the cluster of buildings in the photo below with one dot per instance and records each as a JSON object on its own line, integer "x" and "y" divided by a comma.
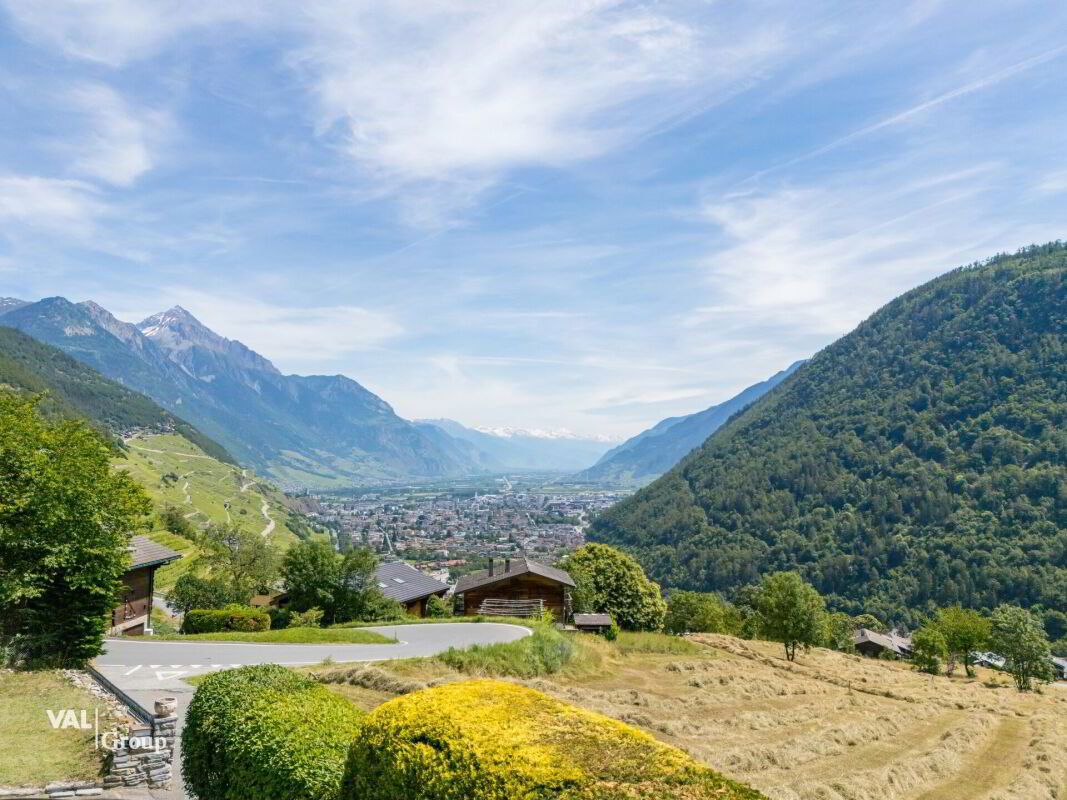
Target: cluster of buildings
{"x": 446, "y": 533}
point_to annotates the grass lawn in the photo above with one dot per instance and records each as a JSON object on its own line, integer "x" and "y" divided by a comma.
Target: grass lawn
{"x": 294, "y": 636}
{"x": 32, "y": 752}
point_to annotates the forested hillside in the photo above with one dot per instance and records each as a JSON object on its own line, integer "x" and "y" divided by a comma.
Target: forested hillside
{"x": 74, "y": 390}
{"x": 920, "y": 459}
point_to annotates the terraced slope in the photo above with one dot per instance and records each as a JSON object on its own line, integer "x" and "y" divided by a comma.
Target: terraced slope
{"x": 178, "y": 473}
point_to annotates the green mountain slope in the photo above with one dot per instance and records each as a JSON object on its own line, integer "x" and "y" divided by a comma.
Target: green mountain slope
{"x": 920, "y": 459}
{"x": 648, "y": 455}
{"x": 178, "y": 473}
{"x": 76, "y": 390}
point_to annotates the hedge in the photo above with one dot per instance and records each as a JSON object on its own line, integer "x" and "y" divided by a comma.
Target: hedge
{"x": 490, "y": 740}
{"x": 266, "y": 733}
{"x": 230, "y": 618}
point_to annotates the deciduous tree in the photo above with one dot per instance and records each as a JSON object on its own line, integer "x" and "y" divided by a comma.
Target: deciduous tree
{"x": 791, "y": 611}
{"x": 610, "y": 581}
{"x": 965, "y": 631}
{"x": 1018, "y": 636}
{"x": 65, "y": 521}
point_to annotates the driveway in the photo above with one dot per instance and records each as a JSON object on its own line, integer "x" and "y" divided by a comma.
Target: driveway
{"x": 147, "y": 669}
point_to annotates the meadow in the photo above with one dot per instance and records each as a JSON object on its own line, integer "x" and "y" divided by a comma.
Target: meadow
{"x": 828, "y": 726}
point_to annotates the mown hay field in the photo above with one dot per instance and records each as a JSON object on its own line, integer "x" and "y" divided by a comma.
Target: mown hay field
{"x": 829, "y": 726}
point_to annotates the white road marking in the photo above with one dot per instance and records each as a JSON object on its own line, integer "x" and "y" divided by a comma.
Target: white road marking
{"x": 134, "y": 669}
{"x": 168, "y": 674}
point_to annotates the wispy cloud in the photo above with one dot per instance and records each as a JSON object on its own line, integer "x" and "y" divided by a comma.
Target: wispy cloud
{"x": 118, "y": 144}
{"x": 29, "y": 202}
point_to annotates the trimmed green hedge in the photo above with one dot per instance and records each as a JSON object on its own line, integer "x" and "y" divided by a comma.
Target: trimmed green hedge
{"x": 266, "y": 733}
{"x": 230, "y": 618}
{"x": 490, "y": 740}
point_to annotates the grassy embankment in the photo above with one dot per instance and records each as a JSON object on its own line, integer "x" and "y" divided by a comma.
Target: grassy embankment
{"x": 178, "y": 473}
{"x": 32, "y": 752}
{"x": 830, "y": 725}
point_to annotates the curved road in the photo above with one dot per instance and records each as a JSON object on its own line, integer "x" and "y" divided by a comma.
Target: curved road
{"x": 147, "y": 669}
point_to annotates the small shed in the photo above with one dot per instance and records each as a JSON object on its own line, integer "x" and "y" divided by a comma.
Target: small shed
{"x": 133, "y": 615}
{"x": 521, "y": 587}
{"x": 592, "y": 623}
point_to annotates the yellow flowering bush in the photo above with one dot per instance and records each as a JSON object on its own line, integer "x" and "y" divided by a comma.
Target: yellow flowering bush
{"x": 491, "y": 740}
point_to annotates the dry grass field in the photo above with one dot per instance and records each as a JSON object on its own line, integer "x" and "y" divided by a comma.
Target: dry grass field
{"x": 829, "y": 726}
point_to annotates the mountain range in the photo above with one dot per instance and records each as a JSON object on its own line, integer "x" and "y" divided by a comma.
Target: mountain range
{"x": 921, "y": 460}
{"x": 648, "y": 455}
{"x": 517, "y": 448}
{"x": 315, "y": 431}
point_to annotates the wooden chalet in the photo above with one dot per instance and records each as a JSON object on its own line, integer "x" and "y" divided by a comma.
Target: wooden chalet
{"x": 873, "y": 644}
{"x": 133, "y": 616}
{"x": 520, "y": 587}
{"x": 592, "y": 623}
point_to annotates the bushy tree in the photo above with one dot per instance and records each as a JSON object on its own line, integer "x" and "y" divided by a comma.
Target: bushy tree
{"x": 175, "y": 521}
{"x": 65, "y": 520}
{"x": 311, "y": 573}
{"x": 193, "y": 591}
{"x": 965, "y": 631}
{"x": 698, "y": 612}
{"x": 610, "y": 581}
{"x": 438, "y": 607}
{"x": 342, "y": 585}
{"x": 928, "y": 649}
{"x": 868, "y": 621}
{"x": 791, "y": 612}
{"x": 243, "y": 559}
{"x": 838, "y": 632}
{"x": 1018, "y": 636}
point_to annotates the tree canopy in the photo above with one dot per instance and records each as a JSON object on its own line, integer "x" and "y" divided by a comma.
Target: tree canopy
{"x": 65, "y": 521}
{"x": 919, "y": 461}
{"x": 610, "y": 581}
{"x": 791, "y": 612}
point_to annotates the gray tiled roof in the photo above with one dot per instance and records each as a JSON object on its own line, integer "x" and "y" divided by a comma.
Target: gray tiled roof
{"x": 403, "y": 583}
{"x": 146, "y": 553}
{"x": 519, "y": 566}
{"x": 891, "y": 641}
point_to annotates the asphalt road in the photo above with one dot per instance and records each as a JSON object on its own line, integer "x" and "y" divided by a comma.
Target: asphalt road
{"x": 147, "y": 669}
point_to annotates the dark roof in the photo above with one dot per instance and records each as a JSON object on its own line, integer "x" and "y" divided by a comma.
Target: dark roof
{"x": 519, "y": 566}
{"x": 890, "y": 641}
{"x": 592, "y": 620}
{"x": 403, "y": 583}
{"x": 146, "y": 553}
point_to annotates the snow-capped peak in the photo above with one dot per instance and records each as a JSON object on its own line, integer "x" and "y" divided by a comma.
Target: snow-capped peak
{"x": 539, "y": 433}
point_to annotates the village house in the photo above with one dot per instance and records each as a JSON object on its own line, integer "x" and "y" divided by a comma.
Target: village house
{"x": 398, "y": 581}
{"x": 520, "y": 587}
{"x": 133, "y": 616}
{"x": 874, "y": 644}
{"x": 409, "y": 587}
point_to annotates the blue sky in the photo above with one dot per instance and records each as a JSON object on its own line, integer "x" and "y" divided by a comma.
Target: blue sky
{"x": 588, "y": 215}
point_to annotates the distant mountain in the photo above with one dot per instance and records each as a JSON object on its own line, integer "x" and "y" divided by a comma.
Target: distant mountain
{"x": 648, "y": 455}
{"x": 304, "y": 431}
{"x": 919, "y": 460}
{"x": 75, "y": 390}
{"x": 10, "y": 304}
{"x": 517, "y": 448}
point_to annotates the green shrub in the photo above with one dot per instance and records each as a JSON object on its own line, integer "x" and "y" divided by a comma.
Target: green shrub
{"x": 544, "y": 652}
{"x": 928, "y": 649}
{"x": 279, "y": 618}
{"x": 489, "y": 740}
{"x": 230, "y": 618}
{"x": 438, "y": 608}
{"x": 312, "y": 618}
{"x": 266, "y": 733}
{"x": 612, "y": 633}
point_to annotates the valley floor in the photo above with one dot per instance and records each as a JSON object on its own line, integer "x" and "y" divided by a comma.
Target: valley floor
{"x": 830, "y": 726}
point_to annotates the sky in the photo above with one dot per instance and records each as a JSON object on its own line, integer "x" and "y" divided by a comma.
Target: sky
{"x": 576, "y": 214}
